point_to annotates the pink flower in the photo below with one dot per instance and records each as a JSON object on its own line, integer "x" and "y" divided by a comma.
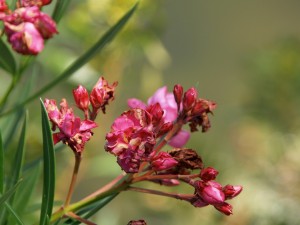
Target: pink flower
{"x": 169, "y": 106}
{"x": 72, "y": 130}
{"x": 163, "y": 161}
{"x": 24, "y": 38}
{"x": 26, "y": 29}
{"x": 131, "y": 139}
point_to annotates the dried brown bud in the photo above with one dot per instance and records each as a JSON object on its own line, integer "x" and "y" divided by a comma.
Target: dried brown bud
{"x": 187, "y": 158}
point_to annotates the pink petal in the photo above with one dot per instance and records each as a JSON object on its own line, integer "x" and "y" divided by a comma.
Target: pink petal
{"x": 136, "y": 103}
{"x": 180, "y": 139}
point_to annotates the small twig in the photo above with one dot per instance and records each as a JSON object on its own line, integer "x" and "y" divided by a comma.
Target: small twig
{"x": 82, "y": 220}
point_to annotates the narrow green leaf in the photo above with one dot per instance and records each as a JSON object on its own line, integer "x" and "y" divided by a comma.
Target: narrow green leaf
{"x": 49, "y": 169}
{"x": 9, "y": 193}
{"x": 60, "y": 9}
{"x": 1, "y": 165}
{"x": 99, "y": 205}
{"x": 14, "y": 214}
{"x": 13, "y": 4}
{"x": 7, "y": 61}
{"x": 26, "y": 189}
{"x": 83, "y": 59}
{"x": 19, "y": 156}
{"x": 12, "y": 124}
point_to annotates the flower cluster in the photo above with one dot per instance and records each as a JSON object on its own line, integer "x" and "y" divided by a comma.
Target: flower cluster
{"x": 27, "y": 26}
{"x": 133, "y": 135}
{"x": 138, "y": 135}
{"x": 72, "y": 130}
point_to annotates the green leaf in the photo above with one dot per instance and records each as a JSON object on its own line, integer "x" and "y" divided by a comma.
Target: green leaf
{"x": 7, "y": 61}
{"x": 19, "y": 156}
{"x": 26, "y": 189}
{"x": 13, "y": 4}
{"x": 1, "y": 165}
{"x": 99, "y": 205}
{"x": 60, "y": 9}
{"x": 83, "y": 59}
{"x": 11, "y": 125}
{"x": 49, "y": 169}
{"x": 9, "y": 193}
{"x": 14, "y": 214}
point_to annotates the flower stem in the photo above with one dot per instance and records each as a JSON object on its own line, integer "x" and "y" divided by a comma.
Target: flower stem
{"x": 184, "y": 178}
{"x": 74, "y": 178}
{"x": 186, "y": 197}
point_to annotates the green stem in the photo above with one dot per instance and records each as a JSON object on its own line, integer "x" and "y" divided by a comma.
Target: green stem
{"x": 74, "y": 178}
{"x": 117, "y": 185}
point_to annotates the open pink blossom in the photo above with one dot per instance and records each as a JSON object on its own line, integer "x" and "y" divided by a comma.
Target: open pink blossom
{"x": 168, "y": 104}
{"x": 131, "y": 139}
{"x": 26, "y": 29}
{"x": 25, "y": 38}
{"x": 72, "y": 130}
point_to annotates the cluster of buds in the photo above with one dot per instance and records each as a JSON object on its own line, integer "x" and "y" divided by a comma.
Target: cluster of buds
{"x": 101, "y": 94}
{"x": 191, "y": 109}
{"x": 210, "y": 192}
{"x": 27, "y": 26}
{"x": 72, "y": 130}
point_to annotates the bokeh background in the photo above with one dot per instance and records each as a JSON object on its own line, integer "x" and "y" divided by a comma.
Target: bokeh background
{"x": 245, "y": 55}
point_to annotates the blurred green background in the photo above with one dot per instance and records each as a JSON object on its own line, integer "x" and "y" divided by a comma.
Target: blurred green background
{"x": 245, "y": 55}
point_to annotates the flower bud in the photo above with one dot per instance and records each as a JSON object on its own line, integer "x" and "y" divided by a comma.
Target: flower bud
{"x": 157, "y": 113}
{"x": 210, "y": 192}
{"x": 3, "y": 6}
{"x": 102, "y": 93}
{"x": 137, "y": 222}
{"x": 165, "y": 128}
{"x": 163, "y": 161}
{"x": 81, "y": 97}
{"x": 224, "y": 208}
{"x": 208, "y": 174}
{"x": 178, "y": 91}
{"x": 189, "y": 99}
{"x": 39, "y": 3}
{"x": 231, "y": 191}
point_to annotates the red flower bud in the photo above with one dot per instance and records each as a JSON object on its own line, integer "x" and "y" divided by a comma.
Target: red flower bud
{"x": 210, "y": 192}
{"x": 208, "y": 174}
{"x": 189, "y": 99}
{"x": 81, "y": 97}
{"x": 178, "y": 91}
{"x": 3, "y": 6}
{"x": 231, "y": 191}
{"x": 102, "y": 93}
{"x": 137, "y": 222}
{"x": 163, "y": 161}
{"x": 224, "y": 208}
{"x": 157, "y": 113}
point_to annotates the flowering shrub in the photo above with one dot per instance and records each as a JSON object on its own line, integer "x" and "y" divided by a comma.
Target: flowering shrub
{"x": 138, "y": 138}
